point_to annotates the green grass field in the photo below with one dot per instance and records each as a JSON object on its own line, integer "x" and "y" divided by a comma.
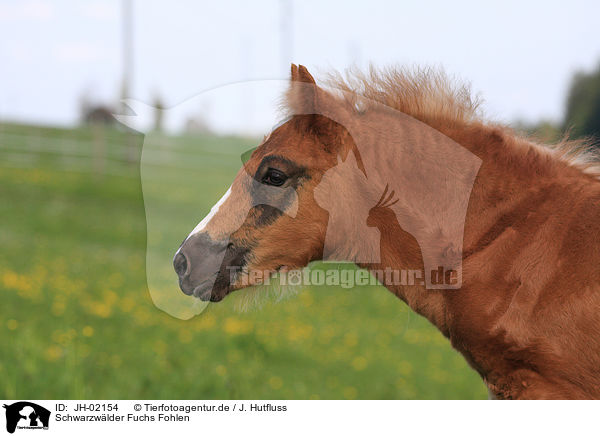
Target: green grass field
{"x": 77, "y": 320}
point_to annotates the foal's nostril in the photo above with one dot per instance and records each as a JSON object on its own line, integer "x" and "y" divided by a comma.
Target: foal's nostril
{"x": 180, "y": 264}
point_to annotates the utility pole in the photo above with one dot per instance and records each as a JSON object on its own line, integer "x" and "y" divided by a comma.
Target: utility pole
{"x": 127, "y": 34}
{"x": 127, "y": 47}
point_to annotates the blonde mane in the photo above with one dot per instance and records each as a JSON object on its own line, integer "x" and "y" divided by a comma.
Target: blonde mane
{"x": 431, "y": 96}
{"x": 426, "y": 94}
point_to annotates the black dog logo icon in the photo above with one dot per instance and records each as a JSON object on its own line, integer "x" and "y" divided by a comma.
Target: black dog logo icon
{"x": 26, "y": 415}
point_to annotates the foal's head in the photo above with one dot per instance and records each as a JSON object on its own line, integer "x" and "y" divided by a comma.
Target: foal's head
{"x": 268, "y": 220}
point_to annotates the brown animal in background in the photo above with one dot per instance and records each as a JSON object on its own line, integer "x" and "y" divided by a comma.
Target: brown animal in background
{"x": 527, "y": 316}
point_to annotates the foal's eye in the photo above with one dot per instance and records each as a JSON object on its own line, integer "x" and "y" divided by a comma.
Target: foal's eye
{"x": 274, "y": 177}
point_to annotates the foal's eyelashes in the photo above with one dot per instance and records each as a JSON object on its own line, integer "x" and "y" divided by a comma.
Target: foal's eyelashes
{"x": 274, "y": 177}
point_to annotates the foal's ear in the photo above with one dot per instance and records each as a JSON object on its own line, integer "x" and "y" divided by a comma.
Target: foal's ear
{"x": 302, "y": 96}
{"x": 301, "y": 74}
{"x": 308, "y": 103}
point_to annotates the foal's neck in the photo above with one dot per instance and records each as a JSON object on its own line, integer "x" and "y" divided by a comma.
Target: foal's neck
{"x": 514, "y": 194}
{"x": 511, "y": 174}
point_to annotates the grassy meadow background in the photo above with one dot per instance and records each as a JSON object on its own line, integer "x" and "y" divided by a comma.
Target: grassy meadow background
{"x": 77, "y": 320}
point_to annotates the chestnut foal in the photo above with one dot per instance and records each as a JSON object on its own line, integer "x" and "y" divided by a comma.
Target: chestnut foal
{"x": 522, "y": 228}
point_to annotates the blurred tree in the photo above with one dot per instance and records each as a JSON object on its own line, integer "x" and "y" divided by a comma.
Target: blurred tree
{"x": 93, "y": 112}
{"x": 197, "y": 125}
{"x": 159, "y": 108}
{"x": 583, "y": 104}
{"x": 99, "y": 115}
{"x": 544, "y": 131}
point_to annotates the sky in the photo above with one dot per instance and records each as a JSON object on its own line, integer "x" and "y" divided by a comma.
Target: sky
{"x": 518, "y": 56}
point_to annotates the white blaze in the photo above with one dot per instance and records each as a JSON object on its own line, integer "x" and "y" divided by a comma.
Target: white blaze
{"x": 211, "y": 214}
{"x": 202, "y": 224}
